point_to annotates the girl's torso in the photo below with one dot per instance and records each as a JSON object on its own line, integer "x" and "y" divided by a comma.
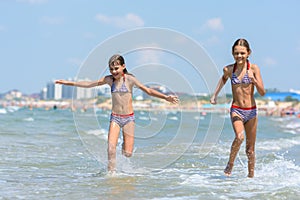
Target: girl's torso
{"x": 242, "y": 87}
{"x": 121, "y": 94}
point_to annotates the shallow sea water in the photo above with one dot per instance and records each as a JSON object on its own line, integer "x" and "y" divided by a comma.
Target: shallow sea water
{"x": 57, "y": 154}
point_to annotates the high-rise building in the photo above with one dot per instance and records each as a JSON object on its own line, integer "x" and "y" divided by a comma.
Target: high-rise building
{"x": 43, "y": 94}
{"x": 54, "y": 91}
{"x": 84, "y": 93}
{"x": 50, "y": 90}
{"x": 67, "y": 92}
{"x": 57, "y": 91}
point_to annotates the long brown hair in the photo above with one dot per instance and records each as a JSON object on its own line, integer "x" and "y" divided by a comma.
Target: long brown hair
{"x": 241, "y": 42}
{"x": 117, "y": 60}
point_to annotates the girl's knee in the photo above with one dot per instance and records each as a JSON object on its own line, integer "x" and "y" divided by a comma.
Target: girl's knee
{"x": 240, "y": 138}
{"x": 250, "y": 152}
{"x": 239, "y": 135}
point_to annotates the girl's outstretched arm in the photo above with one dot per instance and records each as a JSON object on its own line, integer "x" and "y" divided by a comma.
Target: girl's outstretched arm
{"x": 170, "y": 98}
{"x": 84, "y": 84}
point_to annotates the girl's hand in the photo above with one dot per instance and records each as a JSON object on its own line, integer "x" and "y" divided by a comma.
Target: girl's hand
{"x": 63, "y": 82}
{"x": 59, "y": 81}
{"x": 213, "y": 100}
{"x": 172, "y": 99}
{"x": 251, "y": 76}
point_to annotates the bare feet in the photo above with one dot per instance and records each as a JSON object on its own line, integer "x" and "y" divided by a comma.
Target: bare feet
{"x": 228, "y": 169}
{"x": 250, "y": 174}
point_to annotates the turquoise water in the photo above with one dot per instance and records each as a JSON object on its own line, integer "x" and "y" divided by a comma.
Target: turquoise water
{"x": 58, "y": 154}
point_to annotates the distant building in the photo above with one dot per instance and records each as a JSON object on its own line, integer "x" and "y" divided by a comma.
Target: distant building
{"x": 13, "y": 94}
{"x": 57, "y": 91}
{"x": 67, "y": 91}
{"x": 43, "y": 94}
{"x": 84, "y": 93}
{"x": 50, "y": 90}
{"x": 104, "y": 90}
{"x": 54, "y": 91}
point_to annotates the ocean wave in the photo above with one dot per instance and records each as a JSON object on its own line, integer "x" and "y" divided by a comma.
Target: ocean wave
{"x": 277, "y": 144}
{"x": 3, "y": 111}
{"x": 292, "y": 127}
{"x": 273, "y": 177}
{"x": 101, "y": 133}
{"x": 29, "y": 119}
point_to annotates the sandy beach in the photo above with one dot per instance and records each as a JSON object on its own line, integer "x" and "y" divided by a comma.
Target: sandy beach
{"x": 265, "y": 107}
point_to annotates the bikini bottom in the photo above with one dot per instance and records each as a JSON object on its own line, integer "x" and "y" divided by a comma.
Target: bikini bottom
{"x": 122, "y": 120}
{"x": 244, "y": 113}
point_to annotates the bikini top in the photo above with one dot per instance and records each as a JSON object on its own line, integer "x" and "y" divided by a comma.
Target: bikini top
{"x": 245, "y": 79}
{"x": 122, "y": 89}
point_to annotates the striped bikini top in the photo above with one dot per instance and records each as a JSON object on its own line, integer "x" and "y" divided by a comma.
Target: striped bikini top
{"x": 122, "y": 89}
{"x": 245, "y": 79}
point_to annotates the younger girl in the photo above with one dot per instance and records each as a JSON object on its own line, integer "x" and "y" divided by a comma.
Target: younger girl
{"x": 244, "y": 77}
{"x": 122, "y": 115}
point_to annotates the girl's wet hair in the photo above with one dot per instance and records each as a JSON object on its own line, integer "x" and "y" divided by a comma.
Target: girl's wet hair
{"x": 241, "y": 42}
{"x": 117, "y": 60}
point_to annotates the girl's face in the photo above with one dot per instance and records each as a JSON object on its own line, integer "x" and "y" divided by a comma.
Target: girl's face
{"x": 240, "y": 54}
{"x": 117, "y": 71}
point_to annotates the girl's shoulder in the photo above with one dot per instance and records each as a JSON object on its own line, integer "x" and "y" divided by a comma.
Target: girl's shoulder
{"x": 228, "y": 68}
{"x": 253, "y": 66}
{"x": 129, "y": 76}
{"x": 108, "y": 79}
{"x": 132, "y": 80}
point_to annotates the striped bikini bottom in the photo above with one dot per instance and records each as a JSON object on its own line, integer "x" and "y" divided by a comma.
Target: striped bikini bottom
{"x": 244, "y": 113}
{"x": 122, "y": 120}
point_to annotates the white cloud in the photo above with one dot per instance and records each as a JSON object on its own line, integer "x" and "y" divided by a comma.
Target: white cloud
{"x": 52, "y": 20}
{"x": 148, "y": 56}
{"x": 128, "y": 21}
{"x": 214, "y": 24}
{"x": 33, "y": 1}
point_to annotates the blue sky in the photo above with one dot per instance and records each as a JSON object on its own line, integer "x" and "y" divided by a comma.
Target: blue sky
{"x": 42, "y": 40}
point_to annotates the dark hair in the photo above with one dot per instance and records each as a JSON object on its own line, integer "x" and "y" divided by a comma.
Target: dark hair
{"x": 117, "y": 60}
{"x": 241, "y": 42}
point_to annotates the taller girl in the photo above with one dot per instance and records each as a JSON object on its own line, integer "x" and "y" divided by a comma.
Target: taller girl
{"x": 244, "y": 76}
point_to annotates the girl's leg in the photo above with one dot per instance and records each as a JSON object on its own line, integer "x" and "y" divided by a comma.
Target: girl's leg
{"x": 128, "y": 139}
{"x": 238, "y": 128}
{"x": 250, "y": 128}
{"x": 113, "y": 135}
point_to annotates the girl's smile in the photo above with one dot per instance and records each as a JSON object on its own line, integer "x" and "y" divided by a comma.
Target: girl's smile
{"x": 116, "y": 71}
{"x": 240, "y": 54}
